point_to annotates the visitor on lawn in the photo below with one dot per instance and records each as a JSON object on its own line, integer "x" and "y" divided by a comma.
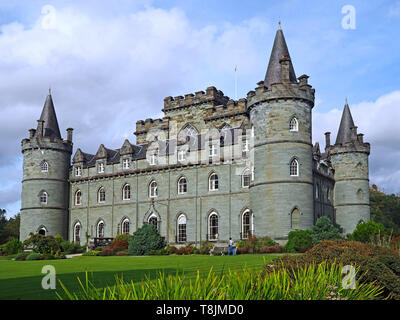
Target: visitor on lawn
{"x": 231, "y": 247}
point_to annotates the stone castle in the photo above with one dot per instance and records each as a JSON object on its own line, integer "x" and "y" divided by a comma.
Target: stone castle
{"x": 212, "y": 168}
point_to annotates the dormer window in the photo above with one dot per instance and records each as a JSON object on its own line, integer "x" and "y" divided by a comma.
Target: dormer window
{"x": 44, "y": 166}
{"x": 153, "y": 159}
{"x": 101, "y": 167}
{"x": 212, "y": 151}
{"x": 78, "y": 171}
{"x": 125, "y": 164}
{"x": 182, "y": 155}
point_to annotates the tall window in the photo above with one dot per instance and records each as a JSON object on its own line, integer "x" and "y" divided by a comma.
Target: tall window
{"x": 78, "y": 171}
{"x": 126, "y": 192}
{"x": 213, "y": 182}
{"x": 181, "y": 236}
{"x": 246, "y": 224}
{"x": 101, "y": 195}
{"x": 153, "y": 221}
{"x": 100, "y": 229}
{"x": 182, "y": 185}
{"x": 246, "y": 178}
{"x": 295, "y": 219}
{"x": 77, "y": 232}
{"x": 153, "y": 189}
{"x": 213, "y": 226}
{"x": 182, "y": 155}
{"x": 78, "y": 198}
{"x": 44, "y": 166}
{"x": 125, "y": 164}
{"x": 125, "y": 226}
{"x": 294, "y": 168}
{"x": 294, "y": 124}
{"x": 43, "y": 197}
{"x": 101, "y": 167}
{"x": 212, "y": 150}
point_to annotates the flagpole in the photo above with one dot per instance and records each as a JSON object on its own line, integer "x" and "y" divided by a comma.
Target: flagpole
{"x": 235, "y": 82}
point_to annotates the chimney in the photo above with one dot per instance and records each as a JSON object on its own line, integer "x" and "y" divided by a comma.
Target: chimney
{"x": 360, "y": 138}
{"x": 353, "y": 133}
{"x": 32, "y": 133}
{"x": 69, "y": 134}
{"x": 40, "y": 128}
{"x": 327, "y": 139}
{"x": 285, "y": 63}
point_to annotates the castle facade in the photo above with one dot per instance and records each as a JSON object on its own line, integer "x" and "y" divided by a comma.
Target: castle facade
{"x": 212, "y": 168}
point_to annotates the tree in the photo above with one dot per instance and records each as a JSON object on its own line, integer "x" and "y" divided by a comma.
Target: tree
{"x": 324, "y": 230}
{"x": 298, "y": 240}
{"x": 8, "y": 228}
{"x": 367, "y": 231}
{"x": 145, "y": 239}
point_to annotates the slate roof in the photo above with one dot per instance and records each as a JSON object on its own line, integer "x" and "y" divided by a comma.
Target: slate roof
{"x": 279, "y": 51}
{"x": 50, "y": 125}
{"x": 346, "y": 123}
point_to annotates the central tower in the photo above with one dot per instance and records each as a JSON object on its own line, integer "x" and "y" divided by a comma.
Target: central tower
{"x": 281, "y": 192}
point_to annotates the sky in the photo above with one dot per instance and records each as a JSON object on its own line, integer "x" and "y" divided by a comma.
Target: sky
{"x": 110, "y": 64}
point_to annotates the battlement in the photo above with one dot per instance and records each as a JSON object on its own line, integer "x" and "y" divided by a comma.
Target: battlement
{"x": 151, "y": 124}
{"x": 212, "y": 95}
{"x": 40, "y": 142}
{"x": 230, "y": 109}
{"x": 285, "y": 90}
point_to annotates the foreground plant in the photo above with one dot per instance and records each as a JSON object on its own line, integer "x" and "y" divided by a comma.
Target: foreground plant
{"x": 313, "y": 282}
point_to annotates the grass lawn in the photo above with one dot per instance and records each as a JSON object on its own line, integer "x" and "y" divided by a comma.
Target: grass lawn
{"x": 22, "y": 279}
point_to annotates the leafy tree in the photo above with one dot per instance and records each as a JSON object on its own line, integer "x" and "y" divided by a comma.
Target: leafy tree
{"x": 367, "y": 231}
{"x": 324, "y": 230}
{"x": 385, "y": 208}
{"x": 298, "y": 240}
{"x": 8, "y": 228}
{"x": 145, "y": 239}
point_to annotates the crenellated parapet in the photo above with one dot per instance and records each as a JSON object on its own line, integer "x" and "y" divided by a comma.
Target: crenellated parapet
{"x": 50, "y": 143}
{"x": 230, "y": 109}
{"x": 300, "y": 90}
{"x": 212, "y": 96}
{"x": 151, "y": 124}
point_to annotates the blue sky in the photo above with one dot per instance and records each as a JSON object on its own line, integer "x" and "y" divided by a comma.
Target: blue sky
{"x": 100, "y": 57}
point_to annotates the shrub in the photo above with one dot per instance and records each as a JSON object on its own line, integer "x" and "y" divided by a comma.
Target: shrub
{"x": 324, "y": 230}
{"x": 366, "y": 231}
{"x": 242, "y": 250}
{"x": 13, "y": 246}
{"x": 298, "y": 240}
{"x": 42, "y": 244}
{"x": 122, "y": 253}
{"x": 159, "y": 252}
{"x": 106, "y": 252}
{"x": 92, "y": 253}
{"x": 171, "y": 249}
{"x": 22, "y": 256}
{"x": 119, "y": 245}
{"x": 33, "y": 256}
{"x": 47, "y": 256}
{"x": 205, "y": 247}
{"x": 145, "y": 239}
{"x": 124, "y": 236}
{"x": 376, "y": 263}
{"x": 272, "y": 249}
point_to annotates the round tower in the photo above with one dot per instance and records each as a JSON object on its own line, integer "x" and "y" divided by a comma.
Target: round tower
{"x": 349, "y": 158}
{"x": 44, "y": 201}
{"x": 281, "y": 192}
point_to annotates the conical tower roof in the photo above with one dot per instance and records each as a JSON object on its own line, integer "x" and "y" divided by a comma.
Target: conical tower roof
{"x": 50, "y": 125}
{"x": 279, "y": 51}
{"x": 344, "y": 133}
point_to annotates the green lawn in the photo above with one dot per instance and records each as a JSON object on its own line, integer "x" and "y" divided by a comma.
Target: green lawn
{"x": 22, "y": 279}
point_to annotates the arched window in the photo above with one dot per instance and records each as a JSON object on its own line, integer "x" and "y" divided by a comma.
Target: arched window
{"x": 100, "y": 229}
{"x": 213, "y": 182}
{"x": 101, "y": 195}
{"x": 213, "y": 226}
{"x": 44, "y": 166}
{"x": 181, "y": 236}
{"x": 125, "y": 226}
{"x": 153, "y": 189}
{"x": 43, "y": 197}
{"x": 295, "y": 219}
{"x": 78, "y": 198}
{"x": 247, "y": 224}
{"x": 42, "y": 231}
{"x": 182, "y": 185}
{"x": 126, "y": 192}
{"x": 246, "y": 178}
{"x": 153, "y": 220}
{"x": 294, "y": 168}
{"x": 77, "y": 232}
{"x": 188, "y": 132}
{"x": 294, "y": 124}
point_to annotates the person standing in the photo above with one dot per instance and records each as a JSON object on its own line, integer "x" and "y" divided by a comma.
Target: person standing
{"x": 231, "y": 247}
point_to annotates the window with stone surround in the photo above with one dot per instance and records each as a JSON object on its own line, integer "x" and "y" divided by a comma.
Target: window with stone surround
{"x": 126, "y": 192}
{"x": 78, "y": 198}
{"x": 101, "y": 195}
{"x": 213, "y": 226}
{"x": 78, "y": 171}
{"x": 125, "y": 226}
{"x": 294, "y": 125}
{"x": 43, "y": 197}
{"x": 213, "y": 182}
{"x": 77, "y": 232}
{"x": 44, "y": 166}
{"x": 294, "y": 168}
{"x": 246, "y": 176}
{"x": 181, "y": 236}
{"x": 125, "y": 164}
{"x": 153, "y": 190}
{"x": 100, "y": 229}
{"x": 101, "y": 167}
{"x": 182, "y": 185}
